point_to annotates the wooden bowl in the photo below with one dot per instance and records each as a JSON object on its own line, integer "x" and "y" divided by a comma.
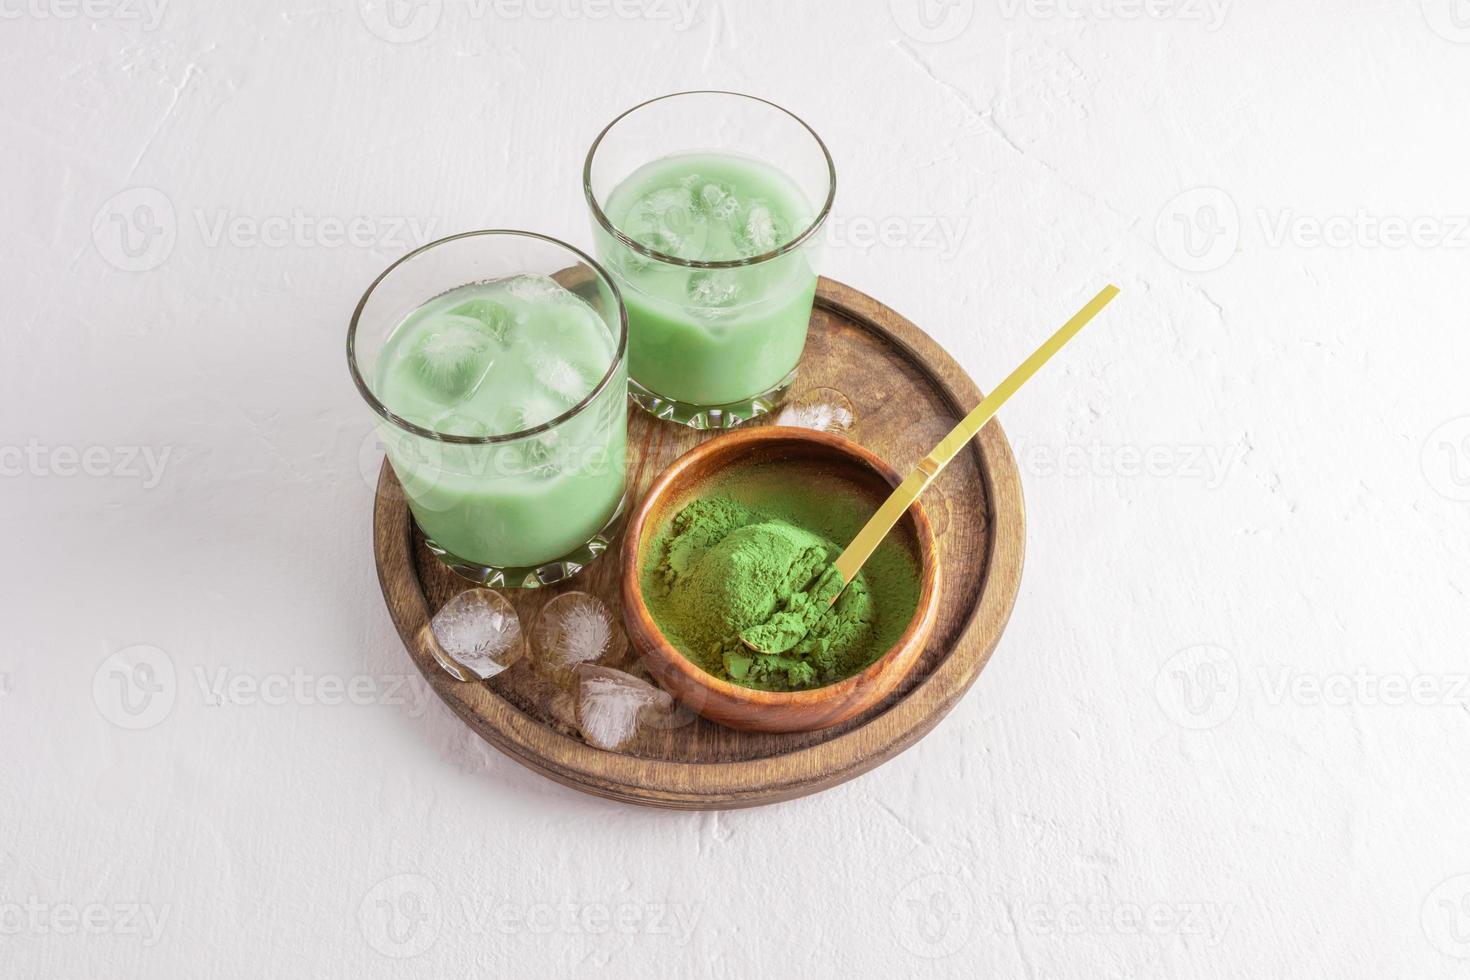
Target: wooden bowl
{"x": 811, "y": 456}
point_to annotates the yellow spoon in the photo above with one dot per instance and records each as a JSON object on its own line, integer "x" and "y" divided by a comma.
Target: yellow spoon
{"x": 785, "y": 629}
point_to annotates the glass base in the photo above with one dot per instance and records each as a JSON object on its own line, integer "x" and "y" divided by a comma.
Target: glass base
{"x": 534, "y": 577}
{"x": 710, "y": 416}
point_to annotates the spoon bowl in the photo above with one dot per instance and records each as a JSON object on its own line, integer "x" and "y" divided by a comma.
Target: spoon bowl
{"x": 825, "y": 463}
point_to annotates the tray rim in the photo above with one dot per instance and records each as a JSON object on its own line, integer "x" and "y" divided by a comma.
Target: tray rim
{"x": 802, "y": 771}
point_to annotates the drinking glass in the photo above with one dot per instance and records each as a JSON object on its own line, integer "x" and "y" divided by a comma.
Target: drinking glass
{"x": 520, "y": 509}
{"x": 714, "y": 340}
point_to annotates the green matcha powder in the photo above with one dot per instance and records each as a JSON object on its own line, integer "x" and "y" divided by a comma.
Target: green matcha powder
{"x": 754, "y": 559}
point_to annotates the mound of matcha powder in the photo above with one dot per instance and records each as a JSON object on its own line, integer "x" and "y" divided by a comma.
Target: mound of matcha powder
{"x": 726, "y": 570}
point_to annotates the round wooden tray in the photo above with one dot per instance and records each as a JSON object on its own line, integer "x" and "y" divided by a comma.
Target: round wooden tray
{"x": 905, "y": 393}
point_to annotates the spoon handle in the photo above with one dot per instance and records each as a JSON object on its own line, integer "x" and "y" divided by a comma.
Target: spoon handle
{"x": 878, "y": 526}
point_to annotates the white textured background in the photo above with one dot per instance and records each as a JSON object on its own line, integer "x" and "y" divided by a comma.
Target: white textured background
{"x": 1227, "y": 732}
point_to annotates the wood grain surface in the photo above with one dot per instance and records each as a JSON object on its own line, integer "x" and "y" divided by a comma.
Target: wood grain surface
{"x": 905, "y": 393}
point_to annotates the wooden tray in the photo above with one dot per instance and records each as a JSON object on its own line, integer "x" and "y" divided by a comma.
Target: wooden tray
{"x": 905, "y": 393}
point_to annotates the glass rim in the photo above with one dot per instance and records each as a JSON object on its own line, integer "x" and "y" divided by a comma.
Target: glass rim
{"x": 388, "y": 415}
{"x": 796, "y": 242}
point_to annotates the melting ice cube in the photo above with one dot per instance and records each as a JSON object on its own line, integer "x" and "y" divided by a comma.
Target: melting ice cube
{"x": 713, "y": 291}
{"x": 670, "y": 206}
{"x": 717, "y": 201}
{"x": 533, "y": 286}
{"x": 479, "y": 630}
{"x": 560, "y": 375}
{"x": 668, "y": 220}
{"x": 454, "y": 355}
{"x": 458, "y": 423}
{"x": 490, "y": 314}
{"x": 823, "y": 409}
{"x": 575, "y": 628}
{"x": 536, "y": 455}
{"x": 649, "y": 232}
{"x": 612, "y": 705}
{"x": 541, "y": 455}
{"x": 534, "y": 409}
{"x": 762, "y": 230}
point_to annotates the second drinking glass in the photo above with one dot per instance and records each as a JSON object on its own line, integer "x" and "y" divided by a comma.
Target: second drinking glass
{"x": 706, "y": 209}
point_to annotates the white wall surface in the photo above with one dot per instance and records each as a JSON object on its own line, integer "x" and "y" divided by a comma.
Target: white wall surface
{"x": 1226, "y": 734}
